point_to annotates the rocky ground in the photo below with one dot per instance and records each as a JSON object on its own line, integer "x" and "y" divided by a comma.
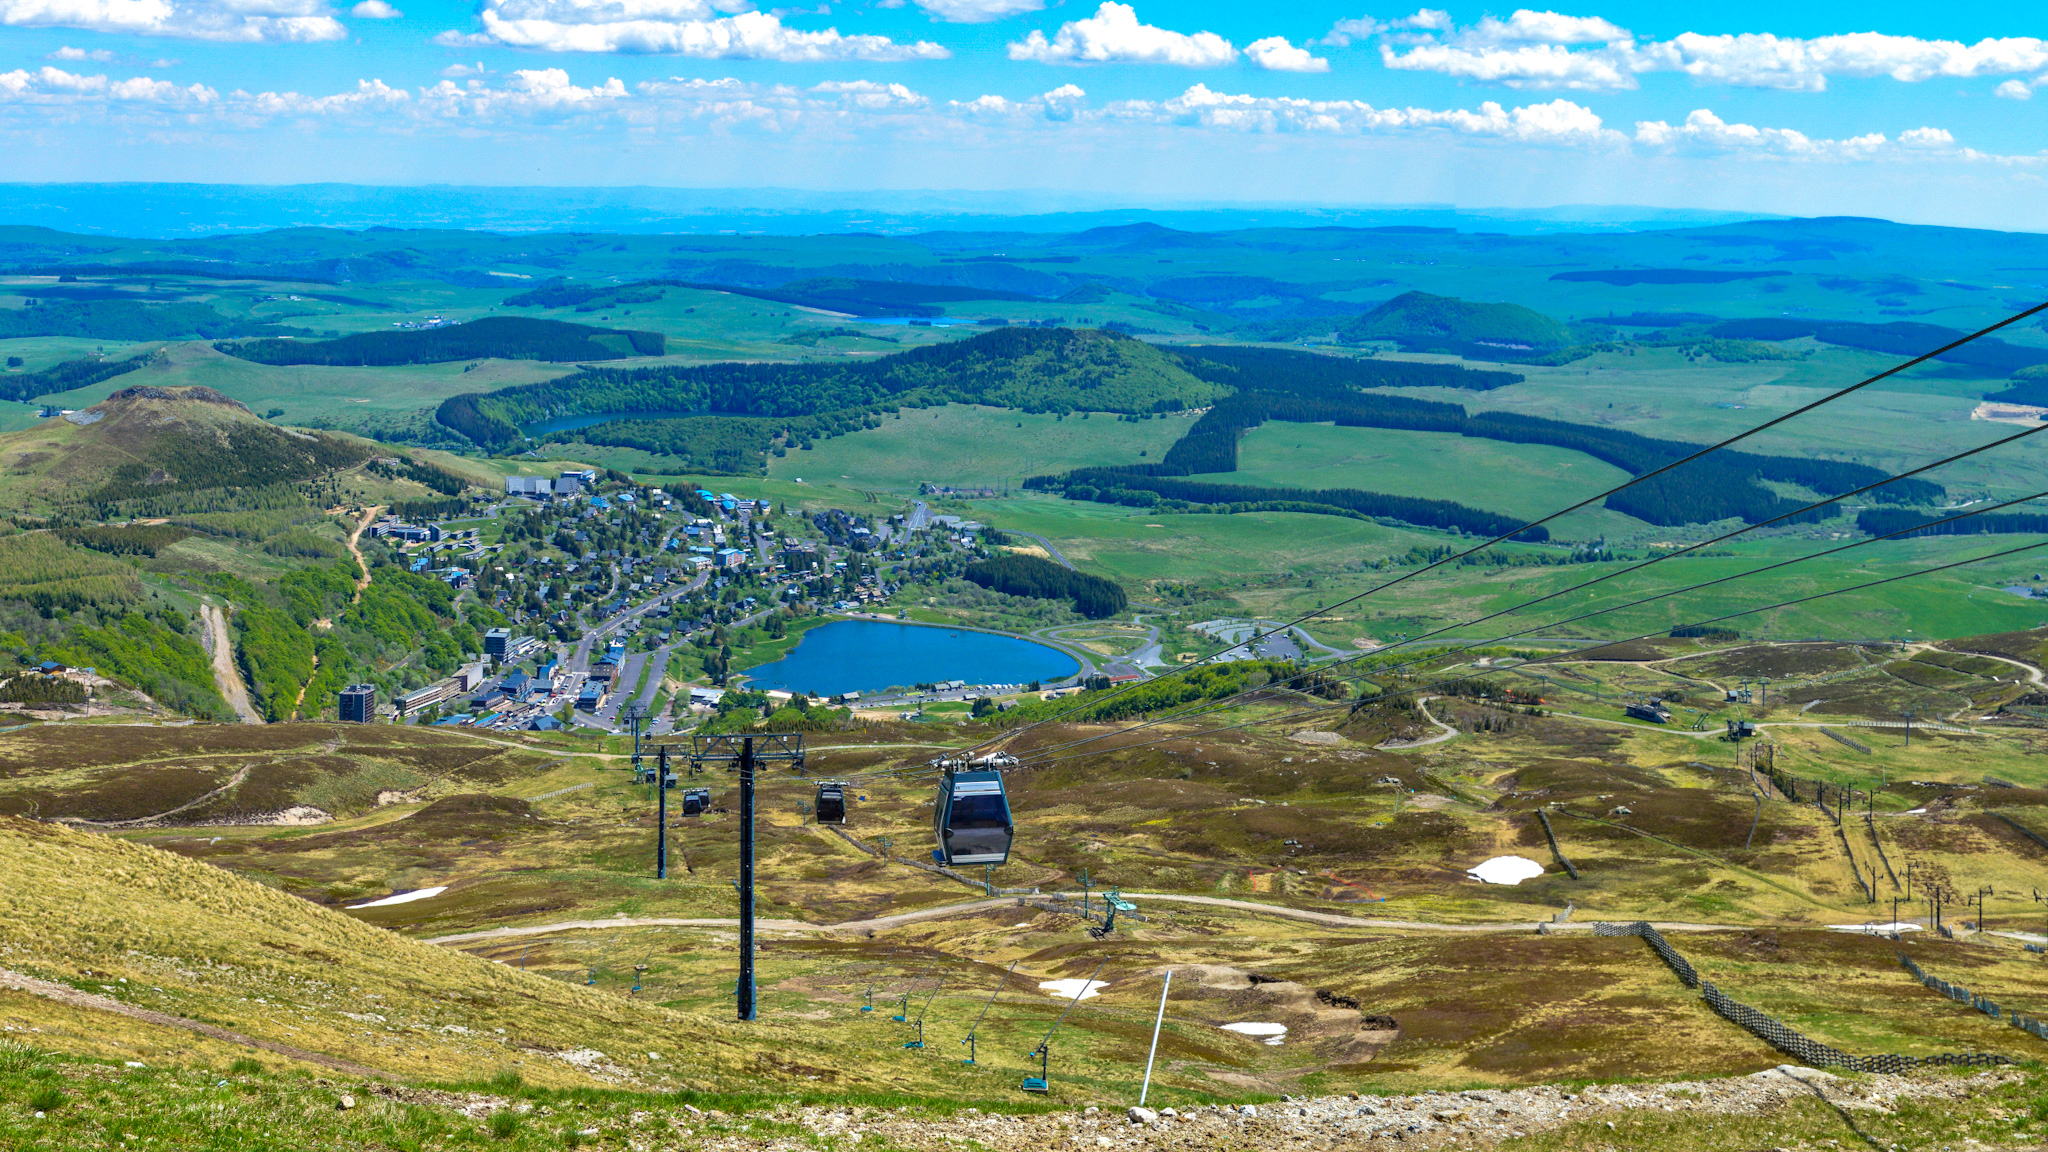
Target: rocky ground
{"x": 1426, "y": 1121}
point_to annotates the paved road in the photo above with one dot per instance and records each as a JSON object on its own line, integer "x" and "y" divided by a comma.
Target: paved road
{"x": 1050, "y": 548}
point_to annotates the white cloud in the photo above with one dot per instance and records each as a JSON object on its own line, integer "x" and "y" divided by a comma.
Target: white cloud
{"x": 868, "y": 94}
{"x": 97, "y": 55}
{"x": 1704, "y": 131}
{"x": 974, "y": 11}
{"x": 1927, "y": 138}
{"x": 375, "y": 10}
{"x": 1547, "y": 50}
{"x": 458, "y": 71}
{"x": 1343, "y": 32}
{"x": 529, "y": 91}
{"x": 228, "y": 21}
{"x": 1558, "y": 122}
{"x": 2014, "y": 90}
{"x": 1061, "y": 104}
{"x": 1275, "y": 54}
{"x": 369, "y": 95}
{"x": 1113, "y": 35}
{"x": 48, "y": 85}
{"x": 1527, "y": 27}
{"x": 677, "y": 27}
{"x": 1761, "y": 60}
{"x": 1522, "y": 66}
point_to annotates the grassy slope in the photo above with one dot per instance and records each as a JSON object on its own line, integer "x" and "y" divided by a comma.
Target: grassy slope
{"x": 1527, "y": 480}
{"x": 191, "y": 940}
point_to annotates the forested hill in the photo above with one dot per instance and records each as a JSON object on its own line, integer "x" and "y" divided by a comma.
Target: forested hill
{"x": 502, "y": 337}
{"x": 1034, "y": 369}
{"x": 1421, "y": 322}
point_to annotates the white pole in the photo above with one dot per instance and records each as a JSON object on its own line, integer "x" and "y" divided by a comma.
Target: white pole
{"x": 1161, "y": 1019}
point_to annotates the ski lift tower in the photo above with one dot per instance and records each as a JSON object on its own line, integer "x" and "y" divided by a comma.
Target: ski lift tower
{"x": 744, "y": 755}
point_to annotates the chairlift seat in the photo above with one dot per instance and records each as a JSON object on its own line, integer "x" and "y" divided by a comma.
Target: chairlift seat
{"x": 1035, "y": 1084}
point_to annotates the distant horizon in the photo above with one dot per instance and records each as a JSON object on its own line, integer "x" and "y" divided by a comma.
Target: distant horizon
{"x": 143, "y": 209}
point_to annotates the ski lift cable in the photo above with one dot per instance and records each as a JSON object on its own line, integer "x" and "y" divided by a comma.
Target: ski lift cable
{"x": 1588, "y": 501}
{"x": 1229, "y": 702}
{"x": 1039, "y": 755}
{"x": 986, "y": 1004}
{"x": 1079, "y": 993}
{"x": 1652, "y": 561}
{"x": 1547, "y": 659}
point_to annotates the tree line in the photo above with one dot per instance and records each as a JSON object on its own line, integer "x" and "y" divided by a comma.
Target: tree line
{"x": 1722, "y": 485}
{"x": 1015, "y": 575}
{"x": 1884, "y": 521}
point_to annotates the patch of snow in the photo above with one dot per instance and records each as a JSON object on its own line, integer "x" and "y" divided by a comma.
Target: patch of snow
{"x": 1069, "y": 988}
{"x": 1273, "y": 1034}
{"x": 1874, "y": 929}
{"x": 1505, "y": 870}
{"x": 404, "y": 897}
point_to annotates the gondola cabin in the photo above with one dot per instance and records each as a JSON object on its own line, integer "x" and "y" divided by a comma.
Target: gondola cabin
{"x": 972, "y": 819}
{"x": 831, "y": 804}
{"x": 695, "y": 801}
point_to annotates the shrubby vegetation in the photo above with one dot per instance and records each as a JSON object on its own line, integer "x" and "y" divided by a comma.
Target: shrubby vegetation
{"x": 1017, "y": 575}
{"x": 501, "y": 337}
{"x": 1206, "y": 682}
{"x": 242, "y": 456}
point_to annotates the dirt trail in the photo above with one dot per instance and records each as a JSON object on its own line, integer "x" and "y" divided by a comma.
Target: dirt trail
{"x": 1447, "y": 732}
{"x": 226, "y": 676}
{"x": 363, "y": 578}
{"x": 900, "y": 919}
{"x": 77, "y": 999}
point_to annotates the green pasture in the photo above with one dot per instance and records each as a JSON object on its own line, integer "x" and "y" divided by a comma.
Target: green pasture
{"x": 1960, "y": 602}
{"x": 1525, "y": 480}
{"x": 969, "y": 445}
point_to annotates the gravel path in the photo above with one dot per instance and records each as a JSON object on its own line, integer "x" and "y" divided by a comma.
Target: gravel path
{"x": 1427, "y": 1120}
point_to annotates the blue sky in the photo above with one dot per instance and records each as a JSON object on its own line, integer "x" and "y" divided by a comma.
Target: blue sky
{"x": 1924, "y": 113}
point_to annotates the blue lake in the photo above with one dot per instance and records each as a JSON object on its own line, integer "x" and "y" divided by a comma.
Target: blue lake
{"x": 869, "y": 655}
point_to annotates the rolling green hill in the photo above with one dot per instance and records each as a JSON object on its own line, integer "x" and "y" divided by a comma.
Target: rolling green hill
{"x": 502, "y": 337}
{"x": 1420, "y": 322}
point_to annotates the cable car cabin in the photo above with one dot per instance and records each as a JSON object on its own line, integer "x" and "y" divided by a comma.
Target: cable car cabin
{"x": 695, "y": 801}
{"x": 972, "y": 819}
{"x": 832, "y": 802}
